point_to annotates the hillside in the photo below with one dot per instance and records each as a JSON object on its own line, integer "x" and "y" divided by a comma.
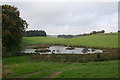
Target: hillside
{"x": 99, "y": 40}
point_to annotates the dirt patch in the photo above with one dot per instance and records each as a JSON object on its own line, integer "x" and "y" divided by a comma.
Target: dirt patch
{"x": 53, "y": 75}
{"x": 30, "y": 74}
{"x": 6, "y": 72}
{"x": 57, "y": 73}
{"x": 15, "y": 65}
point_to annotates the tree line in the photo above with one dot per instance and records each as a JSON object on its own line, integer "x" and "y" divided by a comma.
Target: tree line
{"x": 32, "y": 33}
{"x": 80, "y": 35}
{"x": 94, "y": 32}
{"x": 70, "y": 36}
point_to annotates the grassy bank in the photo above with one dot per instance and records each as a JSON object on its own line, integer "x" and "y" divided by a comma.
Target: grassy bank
{"x": 100, "y": 40}
{"x": 74, "y": 58}
{"x": 23, "y": 66}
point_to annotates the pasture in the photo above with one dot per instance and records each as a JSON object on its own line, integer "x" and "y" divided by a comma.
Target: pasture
{"x": 100, "y": 40}
{"x": 66, "y": 66}
{"x": 66, "y": 49}
{"x": 24, "y": 67}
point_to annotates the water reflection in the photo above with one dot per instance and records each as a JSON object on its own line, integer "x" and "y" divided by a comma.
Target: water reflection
{"x": 65, "y": 50}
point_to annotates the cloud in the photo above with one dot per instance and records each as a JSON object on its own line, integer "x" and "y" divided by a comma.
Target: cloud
{"x": 108, "y": 22}
{"x": 69, "y": 17}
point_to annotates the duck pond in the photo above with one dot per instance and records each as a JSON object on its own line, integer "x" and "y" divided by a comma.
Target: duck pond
{"x": 61, "y": 50}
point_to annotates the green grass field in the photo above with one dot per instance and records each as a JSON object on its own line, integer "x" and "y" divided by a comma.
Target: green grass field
{"x": 101, "y": 40}
{"x": 24, "y": 67}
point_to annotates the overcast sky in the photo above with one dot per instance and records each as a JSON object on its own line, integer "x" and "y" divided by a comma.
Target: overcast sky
{"x": 69, "y": 17}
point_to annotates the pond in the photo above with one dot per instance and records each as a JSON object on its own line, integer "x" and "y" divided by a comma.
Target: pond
{"x": 63, "y": 50}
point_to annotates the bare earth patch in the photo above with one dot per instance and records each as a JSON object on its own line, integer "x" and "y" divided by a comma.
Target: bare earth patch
{"x": 6, "y": 72}
{"x": 30, "y": 74}
{"x": 57, "y": 73}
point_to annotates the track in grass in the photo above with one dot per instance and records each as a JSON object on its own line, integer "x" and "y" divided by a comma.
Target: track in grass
{"x": 57, "y": 73}
{"x": 28, "y": 69}
{"x": 53, "y": 75}
{"x": 30, "y": 74}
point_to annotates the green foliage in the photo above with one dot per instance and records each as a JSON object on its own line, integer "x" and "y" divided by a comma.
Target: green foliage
{"x": 98, "y": 56}
{"x": 94, "y": 32}
{"x": 32, "y": 33}
{"x": 97, "y": 32}
{"x": 65, "y": 36}
{"x": 101, "y": 40}
{"x": 103, "y": 31}
{"x": 71, "y": 58}
{"x": 12, "y": 28}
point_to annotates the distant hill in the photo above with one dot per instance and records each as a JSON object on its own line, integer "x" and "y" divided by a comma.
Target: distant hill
{"x": 52, "y": 36}
{"x": 109, "y": 40}
{"x": 65, "y": 36}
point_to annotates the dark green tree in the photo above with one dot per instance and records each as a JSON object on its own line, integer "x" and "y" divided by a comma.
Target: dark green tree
{"x": 94, "y": 32}
{"x": 13, "y": 27}
{"x": 32, "y": 33}
{"x": 103, "y": 31}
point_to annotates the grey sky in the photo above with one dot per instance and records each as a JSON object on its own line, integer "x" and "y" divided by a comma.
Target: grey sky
{"x": 69, "y": 17}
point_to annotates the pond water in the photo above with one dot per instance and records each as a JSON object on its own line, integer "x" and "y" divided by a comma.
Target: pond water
{"x": 64, "y": 50}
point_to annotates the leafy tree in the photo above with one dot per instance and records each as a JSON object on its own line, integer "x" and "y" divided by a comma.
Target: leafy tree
{"x": 97, "y": 32}
{"x": 13, "y": 27}
{"x": 94, "y": 32}
{"x": 103, "y": 31}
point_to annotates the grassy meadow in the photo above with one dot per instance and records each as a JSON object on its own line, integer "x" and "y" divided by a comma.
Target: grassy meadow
{"x": 24, "y": 67}
{"x": 76, "y": 66}
{"x": 100, "y": 40}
